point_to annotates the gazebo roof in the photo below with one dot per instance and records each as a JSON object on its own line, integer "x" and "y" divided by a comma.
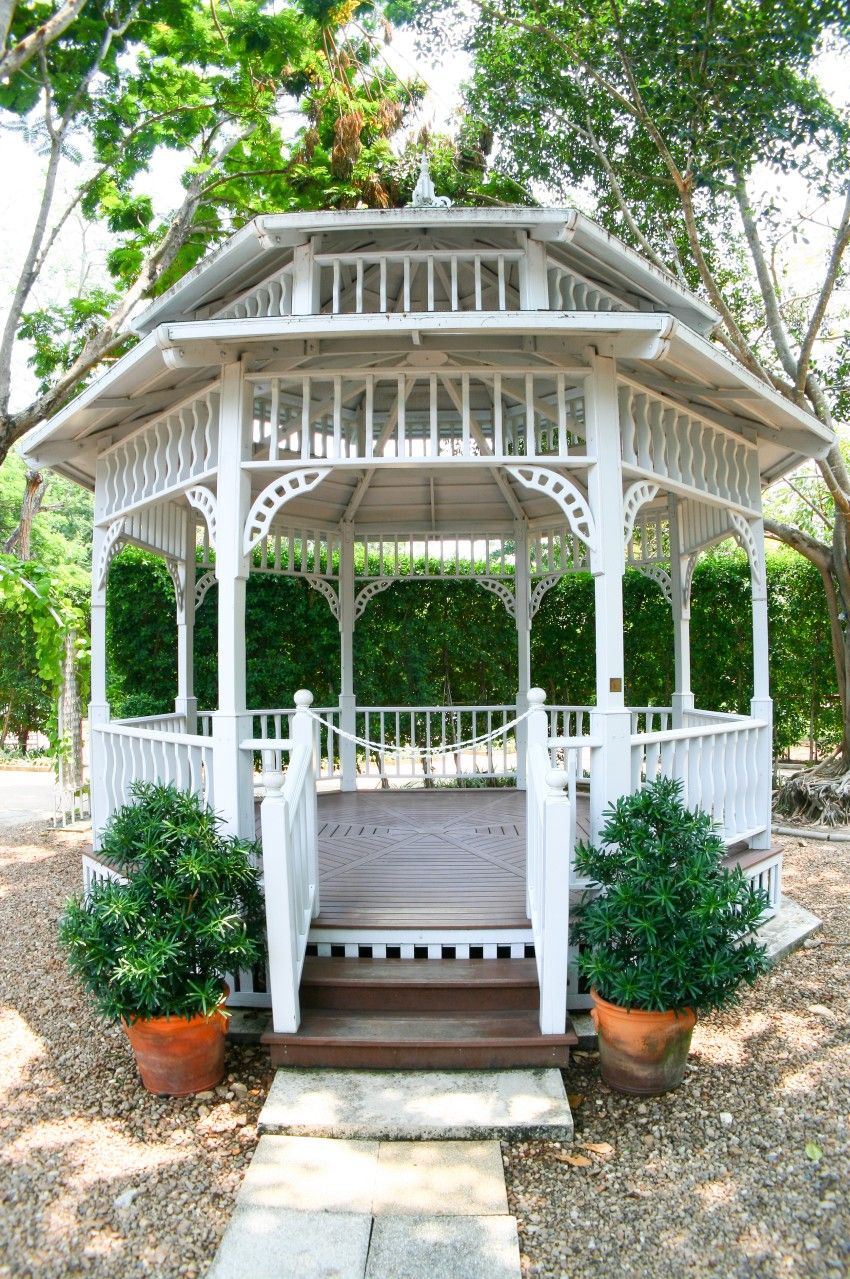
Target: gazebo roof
{"x": 263, "y": 245}
{"x": 657, "y": 329}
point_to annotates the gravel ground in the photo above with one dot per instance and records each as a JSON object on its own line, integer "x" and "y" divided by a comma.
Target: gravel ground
{"x": 98, "y": 1178}
{"x": 715, "y": 1179}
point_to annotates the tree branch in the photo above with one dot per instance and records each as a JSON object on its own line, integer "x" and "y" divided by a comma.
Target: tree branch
{"x": 818, "y": 553}
{"x": 39, "y": 39}
{"x": 839, "y": 247}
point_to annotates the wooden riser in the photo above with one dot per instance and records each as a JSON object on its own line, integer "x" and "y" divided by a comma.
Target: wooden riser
{"x": 473, "y": 1056}
{"x": 479, "y": 1040}
{"x": 408, "y": 1014}
{"x": 420, "y": 985}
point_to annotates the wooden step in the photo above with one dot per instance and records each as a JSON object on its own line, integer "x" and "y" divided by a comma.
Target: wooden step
{"x": 420, "y": 985}
{"x": 483, "y": 1041}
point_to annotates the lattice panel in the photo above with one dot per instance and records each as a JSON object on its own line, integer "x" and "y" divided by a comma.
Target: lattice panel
{"x": 445, "y": 555}
{"x": 569, "y": 291}
{"x": 170, "y": 451}
{"x": 556, "y": 551}
{"x": 271, "y": 298}
{"x": 415, "y": 413}
{"x": 660, "y": 437}
{"x": 422, "y": 279}
{"x": 649, "y": 541}
{"x": 700, "y": 525}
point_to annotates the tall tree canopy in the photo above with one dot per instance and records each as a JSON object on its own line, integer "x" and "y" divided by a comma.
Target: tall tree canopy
{"x": 677, "y": 122}
{"x": 268, "y": 107}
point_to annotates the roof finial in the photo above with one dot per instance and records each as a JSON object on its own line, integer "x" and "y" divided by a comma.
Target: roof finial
{"x": 424, "y": 196}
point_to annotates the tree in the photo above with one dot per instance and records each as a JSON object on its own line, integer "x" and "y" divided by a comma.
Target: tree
{"x": 269, "y": 108}
{"x": 675, "y": 120}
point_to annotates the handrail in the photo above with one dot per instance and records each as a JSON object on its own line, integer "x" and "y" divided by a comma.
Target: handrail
{"x": 151, "y": 734}
{"x": 699, "y": 730}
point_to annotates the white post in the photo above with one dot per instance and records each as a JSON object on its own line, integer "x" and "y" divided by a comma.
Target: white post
{"x": 282, "y": 942}
{"x": 186, "y": 703}
{"x": 305, "y": 280}
{"x": 536, "y": 734}
{"x": 556, "y": 905}
{"x": 98, "y": 705}
{"x": 303, "y": 734}
{"x": 347, "y": 701}
{"x": 761, "y": 706}
{"x": 234, "y": 768}
{"x": 523, "y": 634}
{"x": 683, "y": 698}
{"x": 610, "y": 774}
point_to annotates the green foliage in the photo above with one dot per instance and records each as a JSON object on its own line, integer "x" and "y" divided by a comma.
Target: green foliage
{"x": 436, "y": 643}
{"x": 671, "y": 929}
{"x": 190, "y": 911}
{"x": 59, "y": 332}
{"x": 36, "y": 612}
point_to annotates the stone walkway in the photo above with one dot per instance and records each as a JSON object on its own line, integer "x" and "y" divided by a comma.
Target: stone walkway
{"x": 368, "y": 1205}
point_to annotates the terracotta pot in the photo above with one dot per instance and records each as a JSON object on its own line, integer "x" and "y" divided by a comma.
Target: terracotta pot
{"x": 177, "y": 1056}
{"x": 642, "y": 1052}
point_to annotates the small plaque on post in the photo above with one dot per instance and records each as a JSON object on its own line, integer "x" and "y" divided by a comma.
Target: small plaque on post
{"x": 615, "y": 685}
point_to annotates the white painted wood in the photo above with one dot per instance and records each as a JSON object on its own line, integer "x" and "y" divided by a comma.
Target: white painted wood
{"x": 550, "y": 835}
{"x": 231, "y": 723}
{"x": 290, "y": 868}
{"x": 185, "y": 703}
{"x": 523, "y": 630}
{"x": 610, "y": 722}
{"x": 683, "y": 698}
{"x": 761, "y": 706}
{"x": 347, "y": 702}
{"x": 719, "y": 764}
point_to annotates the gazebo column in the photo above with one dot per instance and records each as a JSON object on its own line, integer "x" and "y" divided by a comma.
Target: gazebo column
{"x": 234, "y": 770}
{"x": 610, "y": 722}
{"x": 98, "y": 705}
{"x": 523, "y": 636}
{"x": 683, "y": 698}
{"x": 761, "y": 705}
{"x": 186, "y": 703}
{"x": 347, "y": 702}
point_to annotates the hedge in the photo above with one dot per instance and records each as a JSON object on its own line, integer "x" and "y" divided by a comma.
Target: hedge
{"x": 434, "y": 642}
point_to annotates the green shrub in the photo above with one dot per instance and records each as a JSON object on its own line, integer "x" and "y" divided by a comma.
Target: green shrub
{"x": 671, "y": 929}
{"x": 190, "y": 910}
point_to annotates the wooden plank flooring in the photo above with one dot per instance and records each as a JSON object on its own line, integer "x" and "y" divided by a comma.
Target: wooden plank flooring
{"x": 424, "y": 859}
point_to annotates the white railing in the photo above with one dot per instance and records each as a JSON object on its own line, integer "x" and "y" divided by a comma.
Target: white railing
{"x": 651, "y": 719}
{"x": 173, "y": 722}
{"x": 290, "y": 869}
{"x": 697, "y": 719}
{"x": 408, "y": 742}
{"x": 550, "y": 837}
{"x": 517, "y": 414}
{"x": 125, "y": 754}
{"x": 420, "y": 280}
{"x": 269, "y": 725}
{"x": 719, "y": 766}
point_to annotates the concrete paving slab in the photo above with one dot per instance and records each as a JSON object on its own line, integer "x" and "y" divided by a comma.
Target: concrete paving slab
{"x": 439, "y": 1178}
{"x": 790, "y": 927}
{"x": 274, "y": 1243}
{"x": 384, "y": 1105}
{"x": 444, "y": 1248}
{"x": 311, "y": 1174}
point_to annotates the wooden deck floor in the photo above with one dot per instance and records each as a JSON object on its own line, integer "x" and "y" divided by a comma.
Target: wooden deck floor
{"x": 424, "y": 859}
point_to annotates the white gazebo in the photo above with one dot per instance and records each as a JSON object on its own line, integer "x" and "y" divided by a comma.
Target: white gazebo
{"x": 361, "y": 397}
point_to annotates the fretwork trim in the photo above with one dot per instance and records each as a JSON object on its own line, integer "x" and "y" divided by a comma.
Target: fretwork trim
{"x": 276, "y": 495}
{"x": 565, "y": 493}
{"x": 204, "y": 500}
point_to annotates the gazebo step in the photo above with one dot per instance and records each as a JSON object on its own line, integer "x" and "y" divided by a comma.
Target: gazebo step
{"x": 426, "y": 1041}
{"x": 420, "y": 985}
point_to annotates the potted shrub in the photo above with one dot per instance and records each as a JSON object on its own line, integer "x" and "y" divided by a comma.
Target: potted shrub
{"x": 153, "y": 947}
{"x": 668, "y": 937}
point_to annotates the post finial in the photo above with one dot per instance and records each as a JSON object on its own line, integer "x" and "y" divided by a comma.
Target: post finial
{"x": 424, "y": 195}
{"x": 303, "y": 699}
{"x": 536, "y": 697}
